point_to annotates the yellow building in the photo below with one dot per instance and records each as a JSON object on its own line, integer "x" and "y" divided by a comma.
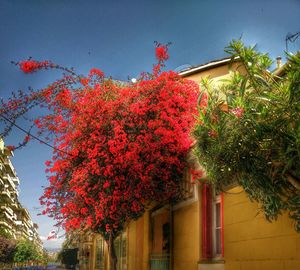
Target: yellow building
{"x": 206, "y": 231}
{"x": 248, "y": 240}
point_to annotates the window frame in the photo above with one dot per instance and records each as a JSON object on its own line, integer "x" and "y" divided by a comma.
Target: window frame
{"x": 217, "y": 199}
{"x": 209, "y": 201}
{"x": 100, "y": 254}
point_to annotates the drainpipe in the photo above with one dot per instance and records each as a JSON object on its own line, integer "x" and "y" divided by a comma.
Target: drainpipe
{"x": 171, "y": 237}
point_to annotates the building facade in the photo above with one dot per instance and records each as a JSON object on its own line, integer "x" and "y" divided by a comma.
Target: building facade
{"x": 9, "y": 192}
{"x": 15, "y": 220}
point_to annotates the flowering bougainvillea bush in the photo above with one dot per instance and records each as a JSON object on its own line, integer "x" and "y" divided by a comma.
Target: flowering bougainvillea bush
{"x": 249, "y": 132}
{"x": 118, "y": 146}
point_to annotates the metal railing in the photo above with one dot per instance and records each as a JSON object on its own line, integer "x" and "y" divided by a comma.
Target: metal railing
{"x": 160, "y": 261}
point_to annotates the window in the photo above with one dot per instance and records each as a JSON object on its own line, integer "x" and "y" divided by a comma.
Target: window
{"x": 121, "y": 251}
{"x": 217, "y": 226}
{"x": 166, "y": 237}
{"x": 99, "y": 264}
{"x": 212, "y": 224}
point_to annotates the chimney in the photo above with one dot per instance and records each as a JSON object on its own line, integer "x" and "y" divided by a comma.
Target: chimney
{"x": 278, "y": 62}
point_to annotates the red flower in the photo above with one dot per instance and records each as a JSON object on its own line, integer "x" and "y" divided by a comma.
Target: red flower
{"x": 84, "y": 211}
{"x": 238, "y": 112}
{"x": 212, "y": 133}
{"x": 196, "y": 174}
{"x": 84, "y": 81}
{"x": 97, "y": 72}
{"x": 30, "y": 66}
{"x": 27, "y": 138}
{"x": 107, "y": 228}
{"x": 161, "y": 53}
{"x": 106, "y": 185}
{"x": 38, "y": 123}
{"x": 48, "y": 163}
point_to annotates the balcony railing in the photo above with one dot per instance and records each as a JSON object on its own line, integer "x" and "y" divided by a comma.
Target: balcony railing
{"x": 19, "y": 223}
{"x": 16, "y": 180}
{"x": 8, "y": 179}
{"x": 6, "y": 193}
{"x": 9, "y": 166}
{"x": 159, "y": 261}
{"x": 4, "y": 223}
{"x": 7, "y": 209}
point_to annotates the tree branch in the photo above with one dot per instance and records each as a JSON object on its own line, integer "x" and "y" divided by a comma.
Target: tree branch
{"x": 293, "y": 180}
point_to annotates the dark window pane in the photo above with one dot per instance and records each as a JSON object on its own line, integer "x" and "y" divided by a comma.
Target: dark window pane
{"x": 218, "y": 242}
{"x": 218, "y": 215}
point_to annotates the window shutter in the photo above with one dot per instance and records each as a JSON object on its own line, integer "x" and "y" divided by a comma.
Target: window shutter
{"x": 207, "y": 249}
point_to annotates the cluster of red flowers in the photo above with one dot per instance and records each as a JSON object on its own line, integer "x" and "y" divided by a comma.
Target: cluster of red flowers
{"x": 96, "y": 72}
{"x": 30, "y": 66}
{"x": 117, "y": 147}
{"x": 126, "y": 146}
{"x": 196, "y": 175}
{"x": 161, "y": 53}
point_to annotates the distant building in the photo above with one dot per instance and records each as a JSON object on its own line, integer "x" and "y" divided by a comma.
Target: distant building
{"x": 15, "y": 220}
{"x": 9, "y": 183}
{"x": 26, "y": 228}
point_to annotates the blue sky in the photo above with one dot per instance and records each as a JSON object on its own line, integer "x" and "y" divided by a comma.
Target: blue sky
{"x": 117, "y": 36}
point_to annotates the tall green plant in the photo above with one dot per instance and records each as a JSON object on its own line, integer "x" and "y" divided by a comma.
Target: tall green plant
{"x": 249, "y": 133}
{"x": 26, "y": 251}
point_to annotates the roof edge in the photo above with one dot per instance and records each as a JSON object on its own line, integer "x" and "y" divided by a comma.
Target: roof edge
{"x": 209, "y": 65}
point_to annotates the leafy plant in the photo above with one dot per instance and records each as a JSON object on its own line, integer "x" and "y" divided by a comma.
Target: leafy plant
{"x": 26, "y": 251}
{"x": 249, "y": 133}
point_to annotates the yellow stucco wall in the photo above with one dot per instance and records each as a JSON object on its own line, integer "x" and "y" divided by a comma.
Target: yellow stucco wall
{"x": 139, "y": 252}
{"x": 157, "y": 238}
{"x": 186, "y": 239}
{"x": 216, "y": 74}
{"x": 251, "y": 242}
{"x": 131, "y": 255}
{"x": 138, "y": 244}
